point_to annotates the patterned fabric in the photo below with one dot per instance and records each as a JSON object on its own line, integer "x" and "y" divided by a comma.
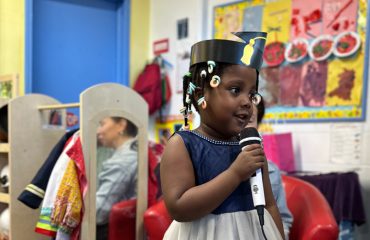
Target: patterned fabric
{"x": 62, "y": 208}
{"x": 76, "y": 154}
{"x": 34, "y": 192}
{"x": 68, "y": 203}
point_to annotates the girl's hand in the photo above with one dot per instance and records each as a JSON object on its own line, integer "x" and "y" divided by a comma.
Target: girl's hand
{"x": 248, "y": 161}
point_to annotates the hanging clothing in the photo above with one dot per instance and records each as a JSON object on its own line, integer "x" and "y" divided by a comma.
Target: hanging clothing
{"x": 34, "y": 192}
{"x": 154, "y": 85}
{"x": 152, "y": 178}
{"x": 62, "y": 208}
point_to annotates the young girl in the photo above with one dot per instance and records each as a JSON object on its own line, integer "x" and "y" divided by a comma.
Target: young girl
{"x": 204, "y": 173}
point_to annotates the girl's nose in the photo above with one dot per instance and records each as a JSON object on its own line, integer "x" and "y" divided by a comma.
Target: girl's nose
{"x": 246, "y": 101}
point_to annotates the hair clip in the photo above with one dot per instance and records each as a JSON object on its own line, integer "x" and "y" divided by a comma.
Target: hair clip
{"x": 216, "y": 80}
{"x": 191, "y": 88}
{"x": 203, "y": 74}
{"x": 188, "y": 74}
{"x": 211, "y": 65}
{"x": 255, "y": 98}
{"x": 202, "y": 102}
{"x": 183, "y": 110}
{"x": 185, "y": 128}
{"x": 188, "y": 100}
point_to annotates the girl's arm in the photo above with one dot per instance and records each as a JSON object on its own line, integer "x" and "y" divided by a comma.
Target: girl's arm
{"x": 271, "y": 206}
{"x": 184, "y": 200}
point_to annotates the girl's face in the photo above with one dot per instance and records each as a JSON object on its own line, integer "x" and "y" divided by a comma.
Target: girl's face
{"x": 229, "y": 107}
{"x": 254, "y": 118}
{"x": 109, "y": 132}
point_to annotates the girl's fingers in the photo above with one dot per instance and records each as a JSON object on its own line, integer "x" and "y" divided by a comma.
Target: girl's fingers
{"x": 254, "y": 153}
{"x": 252, "y": 147}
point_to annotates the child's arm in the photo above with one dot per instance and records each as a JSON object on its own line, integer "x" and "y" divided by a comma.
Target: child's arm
{"x": 186, "y": 201}
{"x": 271, "y": 206}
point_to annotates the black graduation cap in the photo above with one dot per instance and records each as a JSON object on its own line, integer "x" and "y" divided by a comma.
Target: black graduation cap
{"x": 247, "y": 53}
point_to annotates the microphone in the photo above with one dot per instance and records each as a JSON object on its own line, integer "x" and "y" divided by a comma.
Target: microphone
{"x": 250, "y": 136}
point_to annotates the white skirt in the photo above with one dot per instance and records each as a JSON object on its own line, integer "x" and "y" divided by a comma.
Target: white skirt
{"x": 227, "y": 226}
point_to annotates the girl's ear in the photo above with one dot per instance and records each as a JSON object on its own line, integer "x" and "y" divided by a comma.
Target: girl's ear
{"x": 203, "y": 96}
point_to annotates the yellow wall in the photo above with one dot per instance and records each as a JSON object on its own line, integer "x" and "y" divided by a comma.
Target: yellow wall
{"x": 139, "y": 37}
{"x": 12, "y": 39}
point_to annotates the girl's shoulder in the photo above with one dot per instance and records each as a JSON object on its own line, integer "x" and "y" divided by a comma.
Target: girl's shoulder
{"x": 186, "y": 136}
{"x": 184, "y": 132}
{"x": 194, "y": 136}
{"x": 183, "y": 138}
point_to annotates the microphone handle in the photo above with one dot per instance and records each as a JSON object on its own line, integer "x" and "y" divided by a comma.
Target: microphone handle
{"x": 258, "y": 193}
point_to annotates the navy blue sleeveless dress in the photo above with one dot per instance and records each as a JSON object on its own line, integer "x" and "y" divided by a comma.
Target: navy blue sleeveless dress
{"x": 235, "y": 218}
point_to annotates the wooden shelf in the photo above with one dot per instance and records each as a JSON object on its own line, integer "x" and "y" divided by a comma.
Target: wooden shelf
{"x": 4, "y": 147}
{"x": 4, "y": 197}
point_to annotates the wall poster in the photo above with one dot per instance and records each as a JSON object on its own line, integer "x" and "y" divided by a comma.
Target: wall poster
{"x": 315, "y": 55}
{"x": 168, "y": 125}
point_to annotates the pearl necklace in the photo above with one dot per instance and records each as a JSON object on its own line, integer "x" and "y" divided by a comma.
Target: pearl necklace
{"x": 231, "y": 143}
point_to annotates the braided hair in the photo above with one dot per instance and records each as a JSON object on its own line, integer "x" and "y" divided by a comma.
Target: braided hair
{"x": 200, "y": 77}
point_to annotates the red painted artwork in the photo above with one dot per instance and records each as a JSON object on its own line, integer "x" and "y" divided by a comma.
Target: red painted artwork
{"x": 306, "y": 19}
{"x": 346, "y": 44}
{"x": 339, "y": 16}
{"x": 321, "y": 48}
{"x": 346, "y": 83}
{"x": 269, "y": 85}
{"x": 290, "y": 82}
{"x": 296, "y": 50}
{"x": 274, "y": 54}
{"x": 312, "y": 91}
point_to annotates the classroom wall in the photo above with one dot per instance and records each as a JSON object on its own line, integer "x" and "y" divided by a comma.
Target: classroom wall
{"x": 12, "y": 39}
{"x": 164, "y": 15}
{"x": 139, "y": 37}
{"x": 312, "y": 142}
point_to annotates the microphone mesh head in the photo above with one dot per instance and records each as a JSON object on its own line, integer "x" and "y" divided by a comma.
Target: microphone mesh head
{"x": 249, "y": 136}
{"x": 249, "y": 132}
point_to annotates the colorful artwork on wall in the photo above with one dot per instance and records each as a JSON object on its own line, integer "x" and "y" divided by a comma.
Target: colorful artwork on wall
{"x": 8, "y": 86}
{"x": 165, "y": 127}
{"x": 314, "y": 57}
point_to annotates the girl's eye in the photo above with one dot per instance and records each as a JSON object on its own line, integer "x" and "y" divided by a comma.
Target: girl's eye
{"x": 255, "y": 98}
{"x": 235, "y": 90}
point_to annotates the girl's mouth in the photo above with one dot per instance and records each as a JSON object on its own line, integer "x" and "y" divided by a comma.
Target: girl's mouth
{"x": 243, "y": 118}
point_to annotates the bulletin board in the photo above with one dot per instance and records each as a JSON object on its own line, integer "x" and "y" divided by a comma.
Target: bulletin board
{"x": 9, "y": 86}
{"x": 168, "y": 125}
{"x": 315, "y": 55}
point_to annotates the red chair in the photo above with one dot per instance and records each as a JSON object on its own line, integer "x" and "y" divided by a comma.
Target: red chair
{"x": 313, "y": 218}
{"x": 122, "y": 220}
{"x": 156, "y": 221}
